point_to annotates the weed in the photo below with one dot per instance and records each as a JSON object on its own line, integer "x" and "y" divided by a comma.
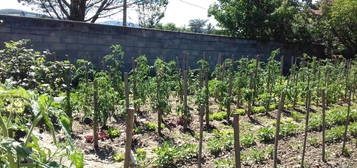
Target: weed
{"x": 226, "y": 163}
{"x": 247, "y": 140}
{"x": 335, "y": 134}
{"x": 288, "y": 129}
{"x": 266, "y": 134}
{"x": 150, "y": 126}
{"x": 314, "y": 141}
{"x": 297, "y": 116}
{"x": 119, "y": 157}
{"x": 219, "y": 116}
{"x": 240, "y": 112}
{"x": 113, "y": 133}
{"x": 259, "y": 109}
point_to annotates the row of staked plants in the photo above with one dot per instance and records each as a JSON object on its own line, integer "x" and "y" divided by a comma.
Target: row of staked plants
{"x": 35, "y": 92}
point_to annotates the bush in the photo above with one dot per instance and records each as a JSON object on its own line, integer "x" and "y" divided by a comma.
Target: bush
{"x": 169, "y": 155}
{"x": 266, "y": 134}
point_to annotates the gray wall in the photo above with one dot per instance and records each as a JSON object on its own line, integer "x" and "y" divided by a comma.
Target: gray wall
{"x": 92, "y": 41}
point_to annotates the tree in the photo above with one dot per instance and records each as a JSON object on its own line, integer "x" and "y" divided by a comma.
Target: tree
{"x": 253, "y": 19}
{"x": 78, "y": 10}
{"x": 197, "y": 25}
{"x": 150, "y": 12}
{"x": 342, "y": 19}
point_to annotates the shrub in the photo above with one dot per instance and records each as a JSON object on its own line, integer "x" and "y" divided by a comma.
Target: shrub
{"x": 219, "y": 116}
{"x": 266, "y": 134}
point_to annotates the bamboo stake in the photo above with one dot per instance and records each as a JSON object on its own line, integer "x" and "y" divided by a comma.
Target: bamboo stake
{"x": 236, "y": 140}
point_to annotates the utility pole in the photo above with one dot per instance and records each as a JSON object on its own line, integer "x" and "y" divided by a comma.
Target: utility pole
{"x": 124, "y": 12}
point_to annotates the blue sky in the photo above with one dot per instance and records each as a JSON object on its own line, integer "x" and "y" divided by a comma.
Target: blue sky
{"x": 178, "y": 11}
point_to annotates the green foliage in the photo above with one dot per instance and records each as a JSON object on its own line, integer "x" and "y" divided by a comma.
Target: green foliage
{"x": 297, "y": 116}
{"x": 219, "y": 116}
{"x": 29, "y": 69}
{"x": 151, "y": 126}
{"x": 247, "y": 140}
{"x": 240, "y": 111}
{"x": 169, "y": 155}
{"x": 259, "y": 109}
{"x": 257, "y": 155}
{"x": 335, "y": 134}
{"x": 119, "y": 157}
{"x": 113, "y": 133}
{"x": 266, "y": 134}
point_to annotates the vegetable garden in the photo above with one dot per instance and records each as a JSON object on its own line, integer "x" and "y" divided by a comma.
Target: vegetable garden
{"x": 240, "y": 113}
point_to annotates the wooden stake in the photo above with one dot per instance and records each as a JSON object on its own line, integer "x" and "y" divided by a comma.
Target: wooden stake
{"x": 308, "y": 101}
{"x": 185, "y": 112}
{"x": 323, "y": 124}
{"x": 201, "y": 136}
{"x": 236, "y": 140}
{"x": 129, "y": 137}
{"x": 207, "y": 98}
{"x": 349, "y": 90}
{"x": 277, "y": 131}
{"x": 95, "y": 115}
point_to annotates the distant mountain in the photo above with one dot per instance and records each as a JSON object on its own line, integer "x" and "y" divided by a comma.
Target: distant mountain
{"x": 16, "y": 12}
{"x": 117, "y": 23}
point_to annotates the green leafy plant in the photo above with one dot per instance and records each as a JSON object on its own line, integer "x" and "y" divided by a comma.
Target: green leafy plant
{"x": 113, "y": 133}
{"x": 219, "y": 116}
{"x": 266, "y": 134}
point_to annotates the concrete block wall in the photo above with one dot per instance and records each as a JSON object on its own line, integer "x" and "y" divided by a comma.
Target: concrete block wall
{"x": 76, "y": 40}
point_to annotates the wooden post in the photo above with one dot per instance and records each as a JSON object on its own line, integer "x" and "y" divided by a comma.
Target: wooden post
{"x": 323, "y": 124}
{"x": 68, "y": 97}
{"x": 308, "y": 101}
{"x": 349, "y": 90}
{"x": 95, "y": 115}
{"x": 256, "y": 79}
{"x": 230, "y": 83}
{"x": 129, "y": 123}
{"x": 185, "y": 112}
{"x": 236, "y": 140}
{"x": 135, "y": 92}
{"x": 129, "y": 137}
{"x": 201, "y": 136}
{"x": 159, "y": 110}
{"x": 207, "y": 93}
{"x": 277, "y": 131}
